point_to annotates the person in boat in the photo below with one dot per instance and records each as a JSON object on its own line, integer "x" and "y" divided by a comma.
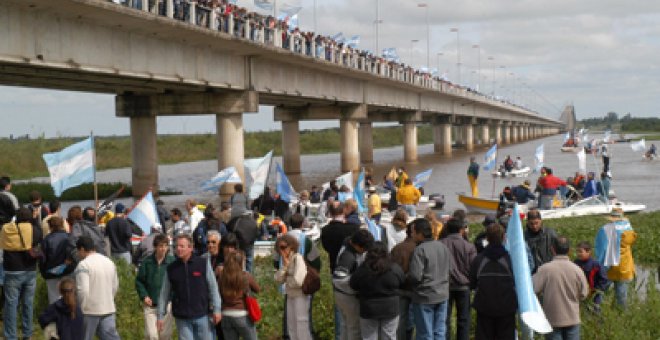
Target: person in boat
{"x": 522, "y": 193}
{"x": 508, "y": 164}
{"x": 401, "y": 178}
{"x": 549, "y": 185}
{"x": 652, "y": 152}
{"x": 605, "y": 153}
{"x": 578, "y": 181}
{"x": 518, "y": 164}
{"x": 506, "y": 199}
{"x": 473, "y": 174}
{"x": 590, "y": 189}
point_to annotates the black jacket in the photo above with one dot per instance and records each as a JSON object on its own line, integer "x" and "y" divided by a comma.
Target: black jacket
{"x": 245, "y": 228}
{"x": 333, "y": 236}
{"x": 67, "y": 328}
{"x": 491, "y": 276}
{"x": 119, "y": 232}
{"x": 540, "y": 245}
{"x": 190, "y": 292}
{"x": 8, "y": 207}
{"x": 54, "y": 249}
{"x": 378, "y": 292}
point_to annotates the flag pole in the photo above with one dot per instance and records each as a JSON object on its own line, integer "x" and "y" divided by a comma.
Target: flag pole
{"x": 492, "y": 194}
{"x": 96, "y": 187}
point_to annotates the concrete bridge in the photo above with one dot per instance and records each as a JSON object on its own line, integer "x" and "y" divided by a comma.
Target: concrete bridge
{"x": 158, "y": 65}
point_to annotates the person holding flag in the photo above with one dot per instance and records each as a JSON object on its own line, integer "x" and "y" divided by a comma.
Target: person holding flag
{"x": 473, "y": 174}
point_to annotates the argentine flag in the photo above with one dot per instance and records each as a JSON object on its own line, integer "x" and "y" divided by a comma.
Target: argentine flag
{"x": 539, "y": 157}
{"x": 490, "y": 158}
{"x": 72, "y": 166}
{"x": 638, "y": 146}
{"x": 144, "y": 213}
{"x": 358, "y": 193}
{"x": 528, "y": 304}
{"x": 256, "y": 174}
{"x": 353, "y": 42}
{"x": 284, "y": 187}
{"x": 228, "y": 175}
{"x": 374, "y": 229}
{"x": 421, "y": 178}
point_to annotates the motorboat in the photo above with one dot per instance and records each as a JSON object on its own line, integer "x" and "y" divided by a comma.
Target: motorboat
{"x": 594, "y": 205}
{"x": 514, "y": 173}
{"x": 425, "y": 202}
{"x": 478, "y": 205}
{"x": 570, "y": 148}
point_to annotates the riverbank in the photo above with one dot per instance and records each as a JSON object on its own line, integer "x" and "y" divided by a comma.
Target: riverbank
{"x": 82, "y": 192}
{"x": 640, "y": 316}
{"x": 22, "y": 159}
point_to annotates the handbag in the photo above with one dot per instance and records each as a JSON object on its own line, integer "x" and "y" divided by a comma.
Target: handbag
{"x": 312, "y": 282}
{"x": 252, "y": 305}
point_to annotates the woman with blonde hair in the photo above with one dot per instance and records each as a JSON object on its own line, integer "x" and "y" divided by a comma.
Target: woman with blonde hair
{"x": 65, "y": 313}
{"x": 292, "y": 272}
{"x": 436, "y": 224}
{"x": 235, "y": 284}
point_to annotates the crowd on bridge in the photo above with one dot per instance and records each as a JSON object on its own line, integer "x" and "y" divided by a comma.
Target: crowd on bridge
{"x": 389, "y": 282}
{"x": 227, "y": 17}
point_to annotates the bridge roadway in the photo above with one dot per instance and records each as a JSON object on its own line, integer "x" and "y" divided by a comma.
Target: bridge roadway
{"x": 157, "y": 65}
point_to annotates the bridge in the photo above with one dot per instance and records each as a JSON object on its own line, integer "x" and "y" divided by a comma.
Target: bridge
{"x": 158, "y": 65}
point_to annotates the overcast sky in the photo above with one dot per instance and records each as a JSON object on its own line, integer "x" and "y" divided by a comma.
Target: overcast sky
{"x": 600, "y": 55}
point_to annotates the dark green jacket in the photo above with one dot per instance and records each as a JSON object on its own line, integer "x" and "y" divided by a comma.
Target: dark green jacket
{"x": 150, "y": 277}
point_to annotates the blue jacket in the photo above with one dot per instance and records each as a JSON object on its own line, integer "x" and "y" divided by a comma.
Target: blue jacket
{"x": 55, "y": 250}
{"x": 59, "y": 313}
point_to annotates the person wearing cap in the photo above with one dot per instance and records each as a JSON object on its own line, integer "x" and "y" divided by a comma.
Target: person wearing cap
{"x": 614, "y": 243}
{"x": 374, "y": 205}
{"x": 522, "y": 193}
{"x": 119, "y": 232}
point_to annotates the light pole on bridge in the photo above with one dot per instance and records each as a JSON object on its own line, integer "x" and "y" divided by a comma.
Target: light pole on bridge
{"x": 428, "y": 35}
{"x": 458, "y": 55}
{"x": 412, "y": 47}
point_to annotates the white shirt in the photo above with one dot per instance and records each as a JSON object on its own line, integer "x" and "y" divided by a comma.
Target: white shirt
{"x": 96, "y": 285}
{"x": 194, "y": 217}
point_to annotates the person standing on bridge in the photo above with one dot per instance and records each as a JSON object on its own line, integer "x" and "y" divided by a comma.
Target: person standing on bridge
{"x": 473, "y": 174}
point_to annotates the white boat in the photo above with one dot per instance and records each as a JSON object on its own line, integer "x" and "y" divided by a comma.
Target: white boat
{"x": 515, "y": 173}
{"x": 570, "y": 148}
{"x": 591, "y": 206}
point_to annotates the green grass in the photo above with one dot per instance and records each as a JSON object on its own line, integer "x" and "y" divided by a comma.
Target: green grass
{"x": 22, "y": 158}
{"x": 81, "y": 192}
{"x": 649, "y": 137}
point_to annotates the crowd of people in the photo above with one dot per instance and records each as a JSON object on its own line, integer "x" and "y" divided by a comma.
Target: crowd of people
{"x": 227, "y": 17}
{"x": 405, "y": 279}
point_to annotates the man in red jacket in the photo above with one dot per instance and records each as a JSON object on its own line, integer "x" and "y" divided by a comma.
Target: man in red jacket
{"x": 549, "y": 185}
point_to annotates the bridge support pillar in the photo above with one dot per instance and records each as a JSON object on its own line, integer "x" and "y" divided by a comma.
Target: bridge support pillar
{"x": 469, "y": 137}
{"x": 498, "y": 133}
{"x": 410, "y": 142}
{"x": 366, "y": 141}
{"x": 291, "y": 146}
{"x": 514, "y": 134}
{"x": 350, "y": 156}
{"x": 485, "y": 134}
{"x": 507, "y": 134}
{"x": 229, "y": 133}
{"x": 144, "y": 154}
{"x": 442, "y": 138}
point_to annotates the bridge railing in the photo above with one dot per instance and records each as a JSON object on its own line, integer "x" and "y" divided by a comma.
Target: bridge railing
{"x": 268, "y": 31}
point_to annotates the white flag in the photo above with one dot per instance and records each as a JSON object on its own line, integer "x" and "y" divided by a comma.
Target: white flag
{"x": 638, "y": 146}
{"x": 256, "y": 174}
{"x": 582, "y": 161}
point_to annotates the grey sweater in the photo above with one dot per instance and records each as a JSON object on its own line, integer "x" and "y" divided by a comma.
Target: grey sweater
{"x": 429, "y": 272}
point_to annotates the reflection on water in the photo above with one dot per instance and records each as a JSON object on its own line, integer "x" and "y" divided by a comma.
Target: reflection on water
{"x": 634, "y": 179}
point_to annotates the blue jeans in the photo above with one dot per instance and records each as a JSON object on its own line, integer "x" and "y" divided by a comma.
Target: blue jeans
{"x": 338, "y": 322}
{"x": 410, "y": 209}
{"x": 19, "y": 286}
{"x": 126, "y": 256}
{"x": 430, "y": 320}
{"x": 621, "y": 292}
{"x": 564, "y": 333}
{"x": 194, "y": 329}
{"x": 249, "y": 258}
{"x": 103, "y": 326}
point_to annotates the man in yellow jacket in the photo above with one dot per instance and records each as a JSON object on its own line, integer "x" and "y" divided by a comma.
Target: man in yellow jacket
{"x": 408, "y": 196}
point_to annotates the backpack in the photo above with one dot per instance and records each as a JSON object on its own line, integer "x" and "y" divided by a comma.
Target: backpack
{"x": 495, "y": 294}
{"x": 312, "y": 282}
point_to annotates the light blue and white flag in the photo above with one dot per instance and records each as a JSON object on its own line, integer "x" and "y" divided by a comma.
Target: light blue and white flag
{"x": 283, "y": 186}
{"x": 491, "y": 158}
{"x": 638, "y": 146}
{"x": 345, "y": 179}
{"x": 374, "y": 229}
{"x": 424, "y": 69}
{"x": 421, "y": 178}
{"x": 359, "y": 194}
{"x": 293, "y": 22}
{"x": 528, "y": 304}
{"x": 72, "y": 166}
{"x": 338, "y": 38}
{"x": 264, "y": 4}
{"x": 144, "y": 213}
{"x": 228, "y": 175}
{"x": 390, "y": 54}
{"x": 582, "y": 161}
{"x": 290, "y": 9}
{"x": 353, "y": 42}
{"x": 539, "y": 157}
{"x": 256, "y": 174}
{"x": 567, "y": 136}
{"x": 608, "y": 136}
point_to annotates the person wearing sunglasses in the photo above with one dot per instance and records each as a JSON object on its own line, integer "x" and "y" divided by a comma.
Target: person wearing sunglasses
{"x": 292, "y": 273}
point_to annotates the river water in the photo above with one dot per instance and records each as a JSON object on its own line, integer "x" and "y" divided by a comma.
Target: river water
{"x": 634, "y": 179}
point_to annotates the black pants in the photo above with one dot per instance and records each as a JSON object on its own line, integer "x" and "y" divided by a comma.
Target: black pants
{"x": 495, "y": 328}
{"x": 460, "y": 298}
{"x": 606, "y": 164}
